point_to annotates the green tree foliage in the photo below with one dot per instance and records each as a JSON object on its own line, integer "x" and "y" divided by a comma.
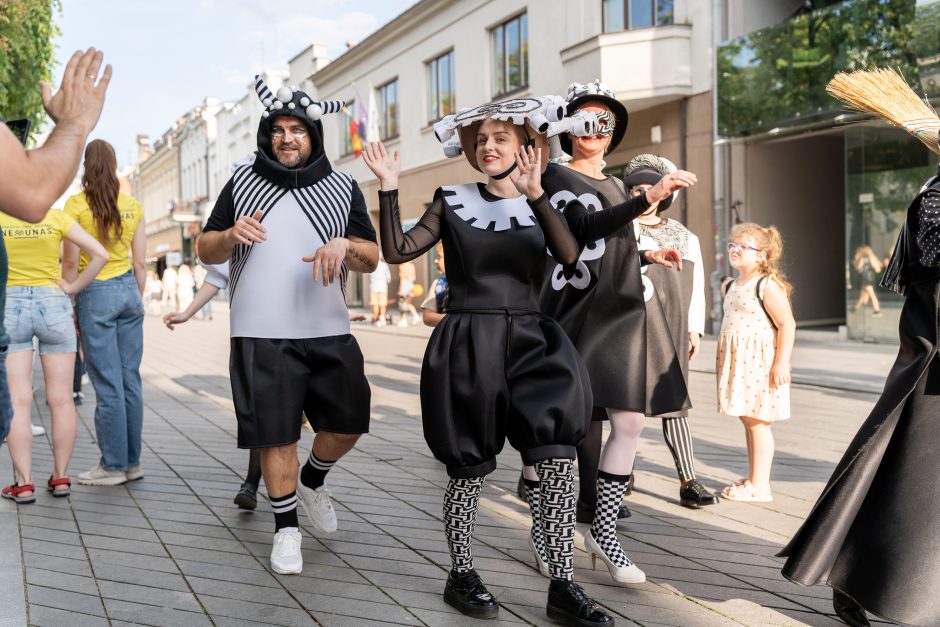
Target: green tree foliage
{"x": 27, "y": 55}
{"x": 777, "y": 76}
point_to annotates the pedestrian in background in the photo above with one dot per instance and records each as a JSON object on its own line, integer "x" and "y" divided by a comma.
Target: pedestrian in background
{"x": 169, "y": 288}
{"x": 185, "y": 286}
{"x": 866, "y": 265}
{"x": 434, "y": 306}
{"x": 111, "y": 314}
{"x": 407, "y": 274}
{"x": 754, "y": 350}
{"x": 38, "y": 306}
{"x": 33, "y": 179}
{"x": 378, "y": 292}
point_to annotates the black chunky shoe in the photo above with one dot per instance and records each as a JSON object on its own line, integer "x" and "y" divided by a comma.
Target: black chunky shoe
{"x": 695, "y": 496}
{"x": 466, "y": 593}
{"x": 569, "y": 605}
{"x": 848, "y": 610}
{"x": 247, "y": 497}
{"x": 584, "y": 513}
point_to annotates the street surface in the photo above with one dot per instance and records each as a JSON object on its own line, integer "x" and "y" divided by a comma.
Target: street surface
{"x": 173, "y": 549}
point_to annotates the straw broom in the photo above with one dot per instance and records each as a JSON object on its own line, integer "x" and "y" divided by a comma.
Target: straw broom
{"x": 884, "y": 93}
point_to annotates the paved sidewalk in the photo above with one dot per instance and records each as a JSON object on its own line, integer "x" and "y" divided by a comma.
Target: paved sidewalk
{"x": 172, "y": 549}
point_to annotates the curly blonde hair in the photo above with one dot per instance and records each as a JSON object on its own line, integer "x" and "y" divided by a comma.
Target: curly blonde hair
{"x": 770, "y": 243}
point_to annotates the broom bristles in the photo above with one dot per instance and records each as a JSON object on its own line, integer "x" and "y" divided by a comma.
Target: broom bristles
{"x": 884, "y": 93}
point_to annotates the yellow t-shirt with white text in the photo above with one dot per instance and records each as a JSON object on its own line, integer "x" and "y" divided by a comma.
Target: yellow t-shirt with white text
{"x": 33, "y": 250}
{"x": 118, "y": 250}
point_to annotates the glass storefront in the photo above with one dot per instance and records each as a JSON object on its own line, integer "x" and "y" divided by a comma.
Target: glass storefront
{"x": 884, "y": 169}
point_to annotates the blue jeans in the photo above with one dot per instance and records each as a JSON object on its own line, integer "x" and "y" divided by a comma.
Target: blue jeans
{"x": 6, "y": 406}
{"x": 111, "y": 318}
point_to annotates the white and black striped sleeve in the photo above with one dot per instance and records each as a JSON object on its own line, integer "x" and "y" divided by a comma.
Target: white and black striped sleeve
{"x": 359, "y": 224}
{"x": 223, "y": 214}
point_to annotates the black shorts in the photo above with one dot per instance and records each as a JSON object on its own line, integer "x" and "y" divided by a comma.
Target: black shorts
{"x": 274, "y": 381}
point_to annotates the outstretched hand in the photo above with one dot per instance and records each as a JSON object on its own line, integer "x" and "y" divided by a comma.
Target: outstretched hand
{"x": 665, "y": 257}
{"x": 81, "y": 94}
{"x": 386, "y": 168}
{"x": 669, "y": 184}
{"x": 527, "y": 177}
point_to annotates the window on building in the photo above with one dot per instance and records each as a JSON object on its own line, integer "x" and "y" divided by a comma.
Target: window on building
{"x": 441, "y": 99}
{"x": 346, "y": 130}
{"x": 388, "y": 110}
{"x": 510, "y": 55}
{"x": 628, "y": 14}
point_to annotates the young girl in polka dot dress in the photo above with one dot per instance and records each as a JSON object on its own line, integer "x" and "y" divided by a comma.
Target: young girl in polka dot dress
{"x": 754, "y": 351}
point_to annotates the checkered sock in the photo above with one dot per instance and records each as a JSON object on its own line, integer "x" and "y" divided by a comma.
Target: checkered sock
{"x": 556, "y": 507}
{"x": 285, "y": 511}
{"x": 610, "y": 489}
{"x": 533, "y": 497}
{"x": 461, "y": 500}
{"x": 313, "y": 474}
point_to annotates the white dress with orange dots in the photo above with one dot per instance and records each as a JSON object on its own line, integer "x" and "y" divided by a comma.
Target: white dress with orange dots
{"x": 745, "y": 356}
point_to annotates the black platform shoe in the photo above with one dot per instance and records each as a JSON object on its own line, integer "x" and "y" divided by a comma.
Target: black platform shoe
{"x": 848, "y": 610}
{"x": 465, "y": 592}
{"x": 247, "y": 497}
{"x": 584, "y": 513}
{"x": 569, "y": 605}
{"x": 695, "y": 496}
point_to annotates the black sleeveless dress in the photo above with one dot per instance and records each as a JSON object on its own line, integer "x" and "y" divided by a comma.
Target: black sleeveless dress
{"x": 496, "y": 367}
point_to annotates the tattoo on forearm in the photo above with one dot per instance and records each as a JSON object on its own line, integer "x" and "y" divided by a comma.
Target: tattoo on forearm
{"x": 355, "y": 255}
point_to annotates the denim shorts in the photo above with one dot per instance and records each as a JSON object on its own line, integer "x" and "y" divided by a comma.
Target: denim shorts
{"x": 44, "y": 313}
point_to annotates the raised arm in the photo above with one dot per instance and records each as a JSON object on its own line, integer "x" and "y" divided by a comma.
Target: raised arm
{"x": 33, "y": 179}
{"x": 398, "y": 246}
{"x": 590, "y": 226}
{"x": 527, "y": 177}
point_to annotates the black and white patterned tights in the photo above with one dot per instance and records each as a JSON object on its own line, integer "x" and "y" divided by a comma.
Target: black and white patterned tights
{"x": 461, "y": 501}
{"x": 533, "y": 497}
{"x": 556, "y": 514}
{"x": 610, "y": 489}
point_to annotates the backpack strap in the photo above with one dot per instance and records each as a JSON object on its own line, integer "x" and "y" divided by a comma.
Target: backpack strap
{"x": 759, "y": 291}
{"x": 726, "y": 285}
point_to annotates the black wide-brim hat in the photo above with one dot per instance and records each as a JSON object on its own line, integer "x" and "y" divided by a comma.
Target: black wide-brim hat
{"x": 616, "y": 107}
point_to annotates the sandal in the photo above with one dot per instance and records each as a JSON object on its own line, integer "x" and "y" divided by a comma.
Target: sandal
{"x": 12, "y": 492}
{"x": 745, "y": 493}
{"x": 54, "y": 483}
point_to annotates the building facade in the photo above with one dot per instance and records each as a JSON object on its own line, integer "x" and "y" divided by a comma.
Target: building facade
{"x": 835, "y": 182}
{"x": 440, "y": 55}
{"x": 155, "y": 182}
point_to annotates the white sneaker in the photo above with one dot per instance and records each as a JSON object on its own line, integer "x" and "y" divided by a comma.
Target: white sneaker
{"x": 101, "y": 476}
{"x": 38, "y": 430}
{"x": 134, "y": 473}
{"x": 318, "y": 507}
{"x": 286, "y": 558}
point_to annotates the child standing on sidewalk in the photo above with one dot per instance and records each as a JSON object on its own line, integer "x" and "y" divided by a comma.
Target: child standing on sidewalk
{"x": 754, "y": 351}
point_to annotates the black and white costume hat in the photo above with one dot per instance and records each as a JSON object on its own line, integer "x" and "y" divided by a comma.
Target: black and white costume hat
{"x": 647, "y": 169}
{"x": 295, "y": 103}
{"x": 579, "y": 95}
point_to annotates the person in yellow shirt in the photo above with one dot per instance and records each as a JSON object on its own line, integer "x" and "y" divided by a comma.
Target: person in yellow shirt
{"x": 38, "y": 306}
{"x": 111, "y": 314}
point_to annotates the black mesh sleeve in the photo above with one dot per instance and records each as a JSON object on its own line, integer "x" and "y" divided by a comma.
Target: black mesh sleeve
{"x": 558, "y": 237}
{"x": 589, "y": 226}
{"x": 928, "y": 230}
{"x": 399, "y": 247}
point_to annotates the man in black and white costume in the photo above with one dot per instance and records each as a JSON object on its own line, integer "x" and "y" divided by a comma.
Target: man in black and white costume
{"x": 675, "y": 306}
{"x": 292, "y": 227}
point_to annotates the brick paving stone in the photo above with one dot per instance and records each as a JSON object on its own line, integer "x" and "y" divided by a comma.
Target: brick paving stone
{"x": 42, "y": 616}
{"x": 142, "y": 614}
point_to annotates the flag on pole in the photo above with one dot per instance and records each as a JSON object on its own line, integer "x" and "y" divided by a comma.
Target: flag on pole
{"x": 372, "y": 128}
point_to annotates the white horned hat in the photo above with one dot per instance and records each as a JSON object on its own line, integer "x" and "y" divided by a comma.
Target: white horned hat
{"x": 293, "y": 102}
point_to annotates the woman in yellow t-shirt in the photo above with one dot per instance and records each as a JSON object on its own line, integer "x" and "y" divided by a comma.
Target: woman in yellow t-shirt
{"x": 111, "y": 314}
{"x": 38, "y": 306}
